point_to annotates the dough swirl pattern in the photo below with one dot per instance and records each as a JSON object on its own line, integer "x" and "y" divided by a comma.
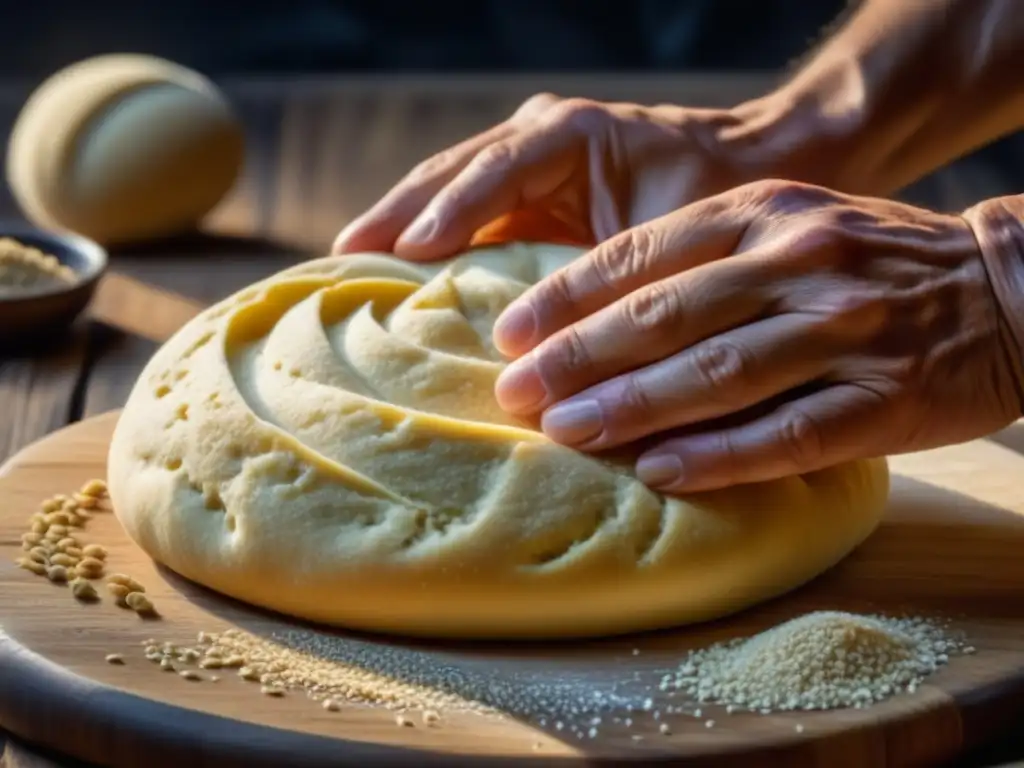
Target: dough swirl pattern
{"x": 326, "y": 444}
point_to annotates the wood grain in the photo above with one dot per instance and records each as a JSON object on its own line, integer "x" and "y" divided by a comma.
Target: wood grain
{"x": 950, "y": 544}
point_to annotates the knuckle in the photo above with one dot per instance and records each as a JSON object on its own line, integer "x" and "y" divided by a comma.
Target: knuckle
{"x": 625, "y": 257}
{"x": 494, "y": 158}
{"x": 430, "y": 168}
{"x": 721, "y": 364}
{"x": 536, "y": 104}
{"x": 784, "y": 196}
{"x": 571, "y": 352}
{"x": 801, "y": 439}
{"x": 635, "y": 399}
{"x": 652, "y": 310}
{"x": 582, "y": 114}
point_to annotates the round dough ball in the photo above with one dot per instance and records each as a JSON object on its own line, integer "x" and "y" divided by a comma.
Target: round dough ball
{"x": 121, "y": 148}
{"x": 326, "y": 444}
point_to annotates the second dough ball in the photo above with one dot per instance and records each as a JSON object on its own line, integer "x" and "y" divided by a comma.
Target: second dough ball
{"x": 123, "y": 148}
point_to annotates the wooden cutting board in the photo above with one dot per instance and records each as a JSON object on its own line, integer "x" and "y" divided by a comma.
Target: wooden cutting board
{"x": 952, "y": 543}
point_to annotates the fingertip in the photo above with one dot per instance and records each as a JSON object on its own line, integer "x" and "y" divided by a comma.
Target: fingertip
{"x": 515, "y": 329}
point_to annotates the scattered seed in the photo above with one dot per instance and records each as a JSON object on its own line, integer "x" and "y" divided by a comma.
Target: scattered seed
{"x": 248, "y": 673}
{"x": 67, "y": 541}
{"x": 271, "y": 690}
{"x": 663, "y": 728}
{"x": 95, "y": 551}
{"x": 39, "y": 555}
{"x": 31, "y": 538}
{"x": 57, "y": 532}
{"x": 60, "y": 558}
{"x": 114, "y": 658}
{"x": 31, "y": 565}
{"x": 404, "y": 722}
{"x": 211, "y": 663}
{"x": 330, "y": 705}
{"x": 166, "y": 664}
{"x": 798, "y": 728}
{"x": 85, "y": 502}
{"x": 126, "y": 581}
{"x": 120, "y": 592}
{"x": 83, "y": 590}
{"x": 709, "y": 724}
{"x": 39, "y": 527}
{"x": 95, "y": 488}
{"x": 430, "y": 717}
{"x": 139, "y": 603}
{"x": 190, "y": 674}
{"x": 57, "y": 574}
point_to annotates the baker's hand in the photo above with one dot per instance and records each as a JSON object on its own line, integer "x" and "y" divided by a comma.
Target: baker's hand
{"x": 770, "y": 330}
{"x": 601, "y": 167}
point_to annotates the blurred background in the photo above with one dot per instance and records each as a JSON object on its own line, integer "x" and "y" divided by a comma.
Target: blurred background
{"x": 317, "y": 39}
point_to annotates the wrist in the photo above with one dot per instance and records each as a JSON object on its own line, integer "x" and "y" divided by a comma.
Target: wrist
{"x": 998, "y": 227}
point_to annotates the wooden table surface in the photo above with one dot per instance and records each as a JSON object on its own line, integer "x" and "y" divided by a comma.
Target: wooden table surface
{"x": 319, "y": 151}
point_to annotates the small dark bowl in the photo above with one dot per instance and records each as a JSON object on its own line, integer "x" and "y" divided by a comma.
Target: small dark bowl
{"x": 35, "y": 316}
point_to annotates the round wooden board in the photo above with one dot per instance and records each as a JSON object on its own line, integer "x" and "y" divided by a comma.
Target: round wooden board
{"x": 952, "y": 543}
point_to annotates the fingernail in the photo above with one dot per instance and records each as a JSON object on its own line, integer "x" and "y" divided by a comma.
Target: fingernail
{"x": 573, "y": 422}
{"x": 519, "y": 387}
{"x": 515, "y": 328}
{"x": 659, "y": 469}
{"x": 420, "y": 231}
{"x": 344, "y": 235}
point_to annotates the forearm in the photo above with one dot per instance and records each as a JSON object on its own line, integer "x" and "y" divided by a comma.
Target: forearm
{"x": 902, "y": 88}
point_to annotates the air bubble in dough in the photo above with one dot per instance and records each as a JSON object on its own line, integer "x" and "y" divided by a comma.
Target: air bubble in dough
{"x": 122, "y": 148}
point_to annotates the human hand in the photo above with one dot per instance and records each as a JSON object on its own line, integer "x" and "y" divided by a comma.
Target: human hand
{"x": 767, "y": 331}
{"x": 601, "y": 168}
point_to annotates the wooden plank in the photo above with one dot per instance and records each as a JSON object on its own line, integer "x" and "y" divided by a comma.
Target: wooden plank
{"x": 948, "y": 544}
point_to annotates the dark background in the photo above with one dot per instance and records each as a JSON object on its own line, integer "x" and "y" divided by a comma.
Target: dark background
{"x": 323, "y": 37}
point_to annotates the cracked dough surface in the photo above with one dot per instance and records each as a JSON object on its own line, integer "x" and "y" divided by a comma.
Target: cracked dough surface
{"x": 326, "y": 444}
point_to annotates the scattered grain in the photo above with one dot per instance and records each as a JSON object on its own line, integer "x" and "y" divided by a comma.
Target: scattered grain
{"x": 83, "y": 590}
{"x": 822, "y": 660}
{"x": 166, "y": 664}
{"x": 403, "y": 722}
{"x": 57, "y": 532}
{"x": 709, "y": 724}
{"x": 190, "y": 674}
{"x": 60, "y": 558}
{"x": 39, "y": 555}
{"x": 85, "y": 502}
{"x": 39, "y": 527}
{"x": 120, "y": 592}
{"x": 431, "y": 718}
{"x": 95, "y": 487}
{"x": 799, "y": 728}
{"x": 271, "y": 690}
{"x": 39, "y": 569}
{"x": 664, "y": 729}
{"x": 31, "y": 538}
{"x": 114, "y": 658}
{"x": 57, "y": 574}
{"x": 125, "y": 581}
{"x": 67, "y": 541}
{"x": 95, "y": 551}
{"x": 139, "y": 603}
{"x": 331, "y": 705}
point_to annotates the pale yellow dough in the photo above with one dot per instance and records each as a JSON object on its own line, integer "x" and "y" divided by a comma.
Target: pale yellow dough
{"x": 326, "y": 444}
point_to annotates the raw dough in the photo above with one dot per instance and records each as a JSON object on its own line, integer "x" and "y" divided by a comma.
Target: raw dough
{"x": 326, "y": 444}
{"x": 123, "y": 147}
